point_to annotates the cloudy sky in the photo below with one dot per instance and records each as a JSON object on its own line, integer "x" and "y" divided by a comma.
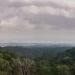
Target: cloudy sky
{"x": 37, "y": 20}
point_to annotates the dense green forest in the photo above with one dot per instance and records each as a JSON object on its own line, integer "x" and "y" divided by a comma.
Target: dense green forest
{"x": 35, "y": 51}
{"x": 12, "y": 63}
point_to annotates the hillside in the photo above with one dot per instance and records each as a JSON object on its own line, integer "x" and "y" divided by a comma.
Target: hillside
{"x": 35, "y": 51}
{"x": 67, "y": 57}
{"x": 63, "y": 63}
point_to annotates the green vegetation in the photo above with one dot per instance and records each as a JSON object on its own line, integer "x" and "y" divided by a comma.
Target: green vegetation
{"x": 13, "y": 64}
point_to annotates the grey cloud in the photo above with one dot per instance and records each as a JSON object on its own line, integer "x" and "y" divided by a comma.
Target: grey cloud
{"x": 42, "y": 23}
{"x": 40, "y": 19}
{"x": 9, "y": 9}
{"x": 60, "y": 22}
{"x": 18, "y": 4}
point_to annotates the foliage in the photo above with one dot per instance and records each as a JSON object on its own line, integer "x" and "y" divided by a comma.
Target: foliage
{"x": 13, "y": 64}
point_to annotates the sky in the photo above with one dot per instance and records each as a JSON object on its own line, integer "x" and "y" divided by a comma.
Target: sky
{"x": 37, "y": 20}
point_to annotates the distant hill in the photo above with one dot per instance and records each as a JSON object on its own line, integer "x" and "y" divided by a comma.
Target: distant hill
{"x": 67, "y": 56}
{"x": 36, "y": 51}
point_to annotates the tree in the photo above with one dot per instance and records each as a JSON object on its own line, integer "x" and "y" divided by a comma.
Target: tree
{"x": 63, "y": 70}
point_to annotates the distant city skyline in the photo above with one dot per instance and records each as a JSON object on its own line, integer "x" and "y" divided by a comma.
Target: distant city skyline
{"x": 37, "y": 21}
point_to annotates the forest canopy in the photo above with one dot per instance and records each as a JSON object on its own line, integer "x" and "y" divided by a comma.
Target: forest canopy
{"x": 14, "y": 64}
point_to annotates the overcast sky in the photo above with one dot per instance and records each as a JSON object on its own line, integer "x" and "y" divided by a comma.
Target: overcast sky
{"x": 37, "y": 20}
